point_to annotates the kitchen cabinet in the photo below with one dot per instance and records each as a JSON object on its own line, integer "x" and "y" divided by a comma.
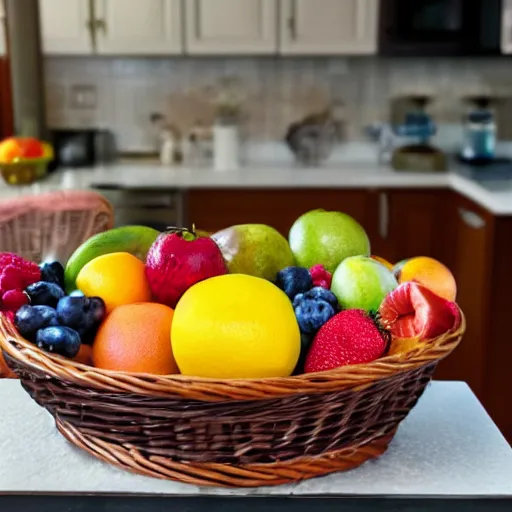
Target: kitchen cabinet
{"x": 146, "y": 27}
{"x": 347, "y": 27}
{"x": 212, "y": 210}
{"x": 111, "y": 27}
{"x": 231, "y": 26}
{"x": 466, "y": 240}
{"x": 66, "y": 26}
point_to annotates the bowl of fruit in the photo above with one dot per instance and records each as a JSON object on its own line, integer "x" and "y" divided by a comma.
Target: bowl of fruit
{"x": 238, "y": 358}
{"x": 24, "y": 160}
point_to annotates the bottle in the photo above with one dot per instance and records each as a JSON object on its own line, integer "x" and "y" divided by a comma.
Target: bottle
{"x": 480, "y": 132}
{"x": 226, "y": 147}
{"x": 167, "y": 148}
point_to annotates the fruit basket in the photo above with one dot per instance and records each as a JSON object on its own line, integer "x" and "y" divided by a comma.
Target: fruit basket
{"x": 235, "y": 359}
{"x": 24, "y": 172}
{"x": 241, "y": 433}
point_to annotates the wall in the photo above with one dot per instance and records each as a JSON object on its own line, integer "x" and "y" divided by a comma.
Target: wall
{"x": 276, "y": 91}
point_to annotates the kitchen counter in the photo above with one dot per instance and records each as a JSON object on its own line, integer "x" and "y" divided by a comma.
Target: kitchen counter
{"x": 494, "y": 196}
{"x": 446, "y": 450}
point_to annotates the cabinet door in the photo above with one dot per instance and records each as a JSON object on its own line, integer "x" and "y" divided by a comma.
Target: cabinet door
{"x": 231, "y": 26}
{"x": 65, "y": 27}
{"x": 467, "y": 236}
{"x": 139, "y": 27}
{"x": 329, "y": 27}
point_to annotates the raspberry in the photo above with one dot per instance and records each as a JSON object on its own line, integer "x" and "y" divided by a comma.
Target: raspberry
{"x": 16, "y": 273}
{"x": 11, "y": 279}
{"x": 320, "y": 276}
{"x": 12, "y": 300}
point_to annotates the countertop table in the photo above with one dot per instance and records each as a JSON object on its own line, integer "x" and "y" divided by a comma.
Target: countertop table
{"x": 494, "y": 195}
{"x": 447, "y": 455}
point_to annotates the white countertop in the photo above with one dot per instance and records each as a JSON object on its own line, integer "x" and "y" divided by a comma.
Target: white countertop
{"x": 357, "y": 174}
{"x": 448, "y": 446}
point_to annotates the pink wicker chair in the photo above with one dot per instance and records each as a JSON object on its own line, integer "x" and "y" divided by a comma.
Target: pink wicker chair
{"x": 51, "y": 226}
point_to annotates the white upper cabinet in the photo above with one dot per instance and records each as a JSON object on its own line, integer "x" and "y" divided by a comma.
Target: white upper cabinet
{"x": 209, "y": 27}
{"x": 334, "y": 27}
{"x": 65, "y": 26}
{"x": 231, "y": 26}
{"x": 138, "y": 27}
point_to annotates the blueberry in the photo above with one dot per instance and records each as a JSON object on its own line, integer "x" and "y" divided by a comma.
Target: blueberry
{"x": 70, "y": 310}
{"x": 93, "y": 315}
{"x": 305, "y": 343}
{"x": 52, "y": 272}
{"x": 77, "y": 293}
{"x": 43, "y": 293}
{"x": 61, "y": 340}
{"x": 312, "y": 314}
{"x": 29, "y": 319}
{"x": 319, "y": 293}
{"x": 294, "y": 280}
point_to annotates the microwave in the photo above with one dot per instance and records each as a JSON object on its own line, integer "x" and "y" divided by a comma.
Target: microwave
{"x": 445, "y": 27}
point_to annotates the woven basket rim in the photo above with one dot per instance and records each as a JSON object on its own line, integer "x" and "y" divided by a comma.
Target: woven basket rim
{"x": 426, "y": 352}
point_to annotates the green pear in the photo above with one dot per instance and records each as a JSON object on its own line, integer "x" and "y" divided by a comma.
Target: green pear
{"x": 327, "y": 238}
{"x": 254, "y": 249}
{"x": 362, "y": 283}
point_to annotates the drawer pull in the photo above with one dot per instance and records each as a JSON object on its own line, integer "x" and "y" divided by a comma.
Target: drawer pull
{"x": 471, "y": 219}
{"x": 383, "y": 215}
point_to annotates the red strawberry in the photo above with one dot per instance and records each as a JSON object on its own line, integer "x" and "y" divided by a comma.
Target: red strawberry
{"x": 179, "y": 259}
{"x": 350, "y": 337}
{"x": 411, "y": 311}
{"x": 320, "y": 276}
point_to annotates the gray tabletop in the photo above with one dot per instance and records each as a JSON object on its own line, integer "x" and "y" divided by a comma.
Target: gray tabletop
{"x": 447, "y": 448}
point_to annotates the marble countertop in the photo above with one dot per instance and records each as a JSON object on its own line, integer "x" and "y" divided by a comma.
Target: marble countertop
{"x": 447, "y": 447}
{"x": 494, "y": 196}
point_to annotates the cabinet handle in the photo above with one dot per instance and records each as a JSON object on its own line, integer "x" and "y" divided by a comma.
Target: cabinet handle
{"x": 292, "y": 27}
{"x": 91, "y": 27}
{"x": 471, "y": 219}
{"x": 101, "y": 25}
{"x": 383, "y": 215}
{"x": 292, "y": 21}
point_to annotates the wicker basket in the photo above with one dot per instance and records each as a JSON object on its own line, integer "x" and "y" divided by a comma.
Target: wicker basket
{"x": 235, "y": 433}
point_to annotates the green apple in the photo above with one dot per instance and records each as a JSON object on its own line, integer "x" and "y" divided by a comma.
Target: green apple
{"x": 327, "y": 238}
{"x": 362, "y": 283}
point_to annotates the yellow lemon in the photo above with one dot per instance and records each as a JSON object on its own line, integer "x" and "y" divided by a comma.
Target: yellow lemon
{"x": 235, "y": 326}
{"x": 118, "y": 278}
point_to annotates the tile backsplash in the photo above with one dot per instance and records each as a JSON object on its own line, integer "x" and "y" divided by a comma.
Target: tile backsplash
{"x": 121, "y": 93}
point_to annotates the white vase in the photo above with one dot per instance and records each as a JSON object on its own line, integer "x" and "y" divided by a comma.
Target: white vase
{"x": 226, "y": 147}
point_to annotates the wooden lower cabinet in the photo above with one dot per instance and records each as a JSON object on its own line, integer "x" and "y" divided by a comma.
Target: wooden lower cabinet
{"x": 215, "y": 209}
{"x": 465, "y": 245}
{"x": 496, "y": 329}
{"x": 402, "y": 223}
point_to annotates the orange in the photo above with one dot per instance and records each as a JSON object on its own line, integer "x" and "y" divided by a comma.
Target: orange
{"x": 430, "y": 273}
{"x": 84, "y": 355}
{"x": 20, "y": 147}
{"x": 136, "y": 338}
{"x": 118, "y": 278}
{"x": 382, "y": 261}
